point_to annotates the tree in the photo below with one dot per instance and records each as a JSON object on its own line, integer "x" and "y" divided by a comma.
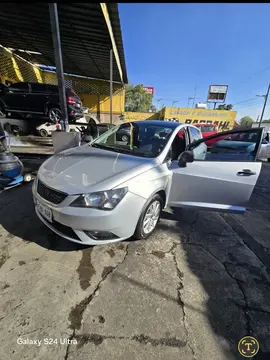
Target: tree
{"x": 246, "y": 122}
{"x": 266, "y": 121}
{"x": 137, "y": 99}
{"x": 225, "y": 107}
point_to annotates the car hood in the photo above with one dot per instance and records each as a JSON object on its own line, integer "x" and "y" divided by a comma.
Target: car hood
{"x": 82, "y": 168}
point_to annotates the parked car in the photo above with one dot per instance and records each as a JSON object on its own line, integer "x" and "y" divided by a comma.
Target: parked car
{"x": 122, "y": 134}
{"x": 38, "y": 99}
{"x": 46, "y": 129}
{"x": 207, "y": 130}
{"x": 107, "y": 191}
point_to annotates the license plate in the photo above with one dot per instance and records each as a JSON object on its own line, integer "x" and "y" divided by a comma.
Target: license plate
{"x": 45, "y": 211}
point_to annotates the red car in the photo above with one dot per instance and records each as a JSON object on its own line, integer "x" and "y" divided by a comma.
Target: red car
{"x": 207, "y": 130}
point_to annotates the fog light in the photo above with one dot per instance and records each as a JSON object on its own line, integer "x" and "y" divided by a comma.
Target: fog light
{"x": 101, "y": 235}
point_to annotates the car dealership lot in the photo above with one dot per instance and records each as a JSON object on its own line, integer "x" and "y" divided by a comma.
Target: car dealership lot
{"x": 191, "y": 291}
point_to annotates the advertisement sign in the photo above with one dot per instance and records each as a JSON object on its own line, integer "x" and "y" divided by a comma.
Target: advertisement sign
{"x": 217, "y": 93}
{"x": 223, "y": 118}
{"x": 149, "y": 89}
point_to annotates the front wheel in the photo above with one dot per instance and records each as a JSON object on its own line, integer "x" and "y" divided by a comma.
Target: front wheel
{"x": 268, "y": 159}
{"x": 149, "y": 218}
{"x": 54, "y": 114}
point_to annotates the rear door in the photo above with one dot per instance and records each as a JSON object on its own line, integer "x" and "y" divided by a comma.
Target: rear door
{"x": 15, "y": 96}
{"x": 37, "y": 97}
{"x": 221, "y": 178}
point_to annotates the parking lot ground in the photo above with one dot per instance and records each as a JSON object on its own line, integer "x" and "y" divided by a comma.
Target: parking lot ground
{"x": 190, "y": 292}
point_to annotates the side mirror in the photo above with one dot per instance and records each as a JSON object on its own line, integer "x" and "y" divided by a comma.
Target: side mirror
{"x": 185, "y": 157}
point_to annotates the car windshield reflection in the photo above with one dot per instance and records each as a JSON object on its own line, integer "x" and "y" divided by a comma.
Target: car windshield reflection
{"x": 138, "y": 139}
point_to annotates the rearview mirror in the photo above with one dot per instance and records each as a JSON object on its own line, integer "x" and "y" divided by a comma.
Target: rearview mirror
{"x": 185, "y": 157}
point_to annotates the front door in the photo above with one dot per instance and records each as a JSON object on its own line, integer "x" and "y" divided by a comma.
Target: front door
{"x": 222, "y": 177}
{"x": 15, "y": 96}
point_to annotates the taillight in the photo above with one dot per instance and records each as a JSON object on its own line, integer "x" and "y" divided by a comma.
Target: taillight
{"x": 71, "y": 100}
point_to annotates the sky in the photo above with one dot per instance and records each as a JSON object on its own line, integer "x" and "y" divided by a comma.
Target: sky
{"x": 177, "y": 47}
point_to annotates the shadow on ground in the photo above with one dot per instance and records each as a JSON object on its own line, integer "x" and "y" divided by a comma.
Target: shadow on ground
{"x": 235, "y": 279}
{"x": 18, "y": 218}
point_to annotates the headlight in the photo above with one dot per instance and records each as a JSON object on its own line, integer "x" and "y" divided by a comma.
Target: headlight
{"x": 104, "y": 200}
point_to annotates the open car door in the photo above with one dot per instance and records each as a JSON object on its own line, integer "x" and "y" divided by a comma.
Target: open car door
{"x": 220, "y": 177}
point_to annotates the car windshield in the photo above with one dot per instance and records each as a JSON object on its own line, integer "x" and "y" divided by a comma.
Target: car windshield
{"x": 137, "y": 138}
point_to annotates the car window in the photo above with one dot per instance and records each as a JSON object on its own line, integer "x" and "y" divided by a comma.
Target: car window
{"x": 194, "y": 134}
{"x": 36, "y": 87}
{"x": 136, "y": 138}
{"x": 19, "y": 87}
{"x": 207, "y": 128}
{"x": 240, "y": 146}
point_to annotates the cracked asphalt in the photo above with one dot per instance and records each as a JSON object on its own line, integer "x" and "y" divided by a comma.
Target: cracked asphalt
{"x": 190, "y": 292}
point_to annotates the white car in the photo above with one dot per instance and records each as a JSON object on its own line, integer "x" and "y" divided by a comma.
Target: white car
{"x": 46, "y": 129}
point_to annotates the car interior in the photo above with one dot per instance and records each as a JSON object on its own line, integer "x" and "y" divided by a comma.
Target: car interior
{"x": 179, "y": 145}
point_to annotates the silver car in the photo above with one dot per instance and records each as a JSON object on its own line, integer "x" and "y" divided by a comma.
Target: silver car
{"x": 109, "y": 190}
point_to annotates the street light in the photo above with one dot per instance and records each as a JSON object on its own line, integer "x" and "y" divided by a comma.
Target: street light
{"x": 174, "y": 102}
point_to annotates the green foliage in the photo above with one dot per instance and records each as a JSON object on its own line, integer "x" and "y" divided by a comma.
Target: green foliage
{"x": 138, "y": 100}
{"x": 266, "y": 121}
{"x": 225, "y": 107}
{"x": 246, "y": 122}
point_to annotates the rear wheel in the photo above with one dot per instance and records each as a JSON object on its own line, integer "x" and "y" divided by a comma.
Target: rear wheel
{"x": 54, "y": 114}
{"x": 43, "y": 133}
{"x": 268, "y": 160}
{"x": 149, "y": 218}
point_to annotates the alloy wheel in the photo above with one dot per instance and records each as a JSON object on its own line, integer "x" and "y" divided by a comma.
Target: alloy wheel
{"x": 151, "y": 217}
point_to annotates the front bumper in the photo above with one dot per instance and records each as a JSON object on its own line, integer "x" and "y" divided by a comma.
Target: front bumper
{"x": 73, "y": 223}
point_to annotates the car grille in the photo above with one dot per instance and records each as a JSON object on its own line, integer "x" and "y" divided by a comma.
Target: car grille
{"x": 53, "y": 196}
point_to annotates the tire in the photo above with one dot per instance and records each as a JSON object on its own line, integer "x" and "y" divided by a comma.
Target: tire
{"x": 2, "y": 111}
{"x": 43, "y": 133}
{"x": 268, "y": 160}
{"x": 54, "y": 114}
{"x": 7, "y": 127}
{"x": 140, "y": 232}
{"x": 27, "y": 178}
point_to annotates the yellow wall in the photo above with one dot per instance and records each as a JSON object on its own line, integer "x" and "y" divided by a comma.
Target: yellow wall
{"x": 96, "y": 103}
{"x": 223, "y": 118}
{"x": 136, "y": 116}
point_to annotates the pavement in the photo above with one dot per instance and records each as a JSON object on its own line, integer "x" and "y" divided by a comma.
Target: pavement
{"x": 190, "y": 292}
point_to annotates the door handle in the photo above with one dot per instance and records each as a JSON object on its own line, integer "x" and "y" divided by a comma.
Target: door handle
{"x": 246, "y": 172}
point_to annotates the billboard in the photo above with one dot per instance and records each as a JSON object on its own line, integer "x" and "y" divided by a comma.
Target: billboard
{"x": 149, "y": 89}
{"x": 223, "y": 118}
{"x": 217, "y": 93}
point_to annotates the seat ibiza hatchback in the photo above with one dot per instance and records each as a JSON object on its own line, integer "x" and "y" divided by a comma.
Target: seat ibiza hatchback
{"x": 112, "y": 188}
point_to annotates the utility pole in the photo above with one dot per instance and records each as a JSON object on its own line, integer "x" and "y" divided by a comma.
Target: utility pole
{"x": 194, "y": 97}
{"x": 174, "y": 102}
{"x": 158, "y": 101}
{"x": 264, "y": 105}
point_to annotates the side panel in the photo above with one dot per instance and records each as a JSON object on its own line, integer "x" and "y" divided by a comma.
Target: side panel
{"x": 213, "y": 185}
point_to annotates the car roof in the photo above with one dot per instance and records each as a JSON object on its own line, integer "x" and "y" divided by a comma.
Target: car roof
{"x": 168, "y": 124}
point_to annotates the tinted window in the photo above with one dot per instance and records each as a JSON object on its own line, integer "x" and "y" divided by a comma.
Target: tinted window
{"x": 240, "y": 146}
{"x": 52, "y": 89}
{"x": 194, "y": 134}
{"x": 38, "y": 87}
{"x": 19, "y": 87}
